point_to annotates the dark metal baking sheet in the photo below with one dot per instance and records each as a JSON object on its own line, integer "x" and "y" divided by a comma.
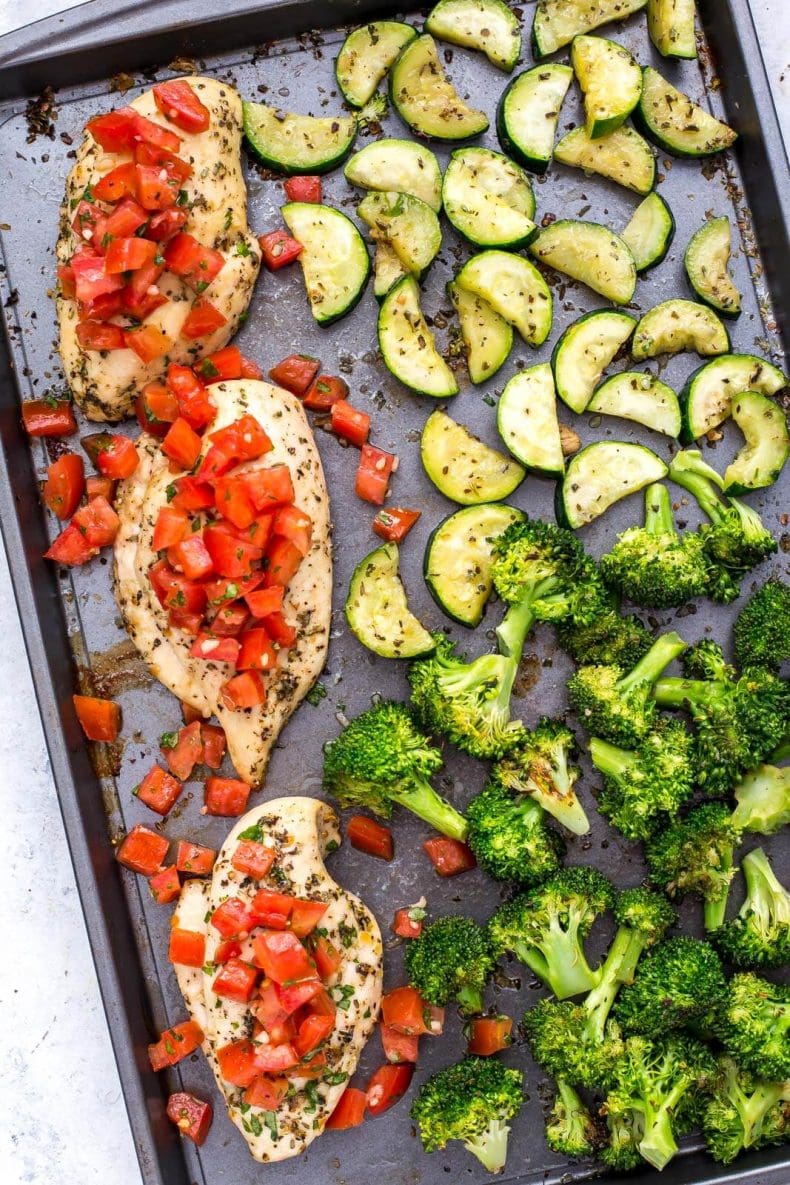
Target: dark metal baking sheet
{"x": 70, "y": 620}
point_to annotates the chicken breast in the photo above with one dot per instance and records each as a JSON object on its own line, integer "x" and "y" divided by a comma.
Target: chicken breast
{"x": 307, "y": 605}
{"x": 300, "y": 830}
{"x": 105, "y": 385}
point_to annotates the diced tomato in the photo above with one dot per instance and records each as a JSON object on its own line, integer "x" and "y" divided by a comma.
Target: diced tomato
{"x": 191, "y": 1116}
{"x": 98, "y": 335}
{"x": 313, "y": 1066}
{"x": 293, "y": 996}
{"x": 250, "y": 369}
{"x": 322, "y": 1004}
{"x": 148, "y": 342}
{"x": 156, "y": 408}
{"x": 303, "y": 189}
{"x": 253, "y": 859}
{"x": 237, "y": 1062}
{"x": 313, "y": 1031}
{"x": 214, "y": 464}
{"x": 103, "y": 308}
{"x": 243, "y": 440}
{"x": 449, "y": 856}
{"x": 158, "y": 157}
{"x": 279, "y": 630}
{"x": 117, "y": 184}
{"x": 141, "y": 296}
{"x": 366, "y": 835}
{"x": 175, "y": 1044}
{"x": 350, "y": 423}
{"x": 266, "y": 1092}
{"x": 114, "y": 132}
{"x": 65, "y": 274}
{"x": 306, "y": 915}
{"x": 186, "y": 752}
{"x": 387, "y": 1085}
{"x": 89, "y": 223}
{"x": 175, "y": 592}
{"x": 398, "y": 1047}
{"x": 328, "y": 959}
{"x": 203, "y": 319}
{"x": 195, "y": 264}
{"x": 267, "y": 1010}
{"x": 263, "y": 602}
{"x": 143, "y": 850}
{"x": 230, "y": 556}
{"x": 406, "y": 926}
{"x": 274, "y": 1058}
{"x": 154, "y": 134}
{"x": 230, "y": 620}
{"x": 193, "y": 858}
{"x": 489, "y": 1034}
{"x": 70, "y": 548}
{"x": 159, "y": 790}
{"x": 165, "y": 886}
{"x": 99, "y": 486}
{"x": 98, "y": 522}
{"x": 257, "y": 652}
{"x": 324, "y": 392}
{"x": 373, "y": 474}
{"x": 213, "y": 649}
{"x": 100, "y": 718}
{"x": 187, "y": 947}
{"x": 243, "y": 691}
{"x": 114, "y": 455}
{"x": 295, "y": 373}
{"x": 171, "y": 527}
{"x": 178, "y": 102}
{"x": 281, "y": 956}
{"x": 272, "y": 909}
{"x": 224, "y": 591}
{"x": 350, "y": 1110}
{"x": 44, "y": 417}
{"x": 191, "y": 495}
{"x": 213, "y": 744}
{"x": 65, "y": 485}
{"x": 226, "y": 796}
{"x": 221, "y": 365}
{"x": 234, "y": 918}
{"x": 188, "y": 623}
{"x": 291, "y": 523}
{"x": 154, "y": 187}
{"x": 127, "y": 254}
{"x": 271, "y": 487}
{"x": 394, "y": 523}
{"x": 229, "y": 949}
{"x": 166, "y": 223}
{"x": 91, "y": 278}
{"x": 182, "y": 444}
{"x": 233, "y": 502}
{"x": 279, "y": 249}
{"x": 236, "y": 981}
{"x": 404, "y": 1009}
{"x": 127, "y": 218}
{"x": 284, "y": 561}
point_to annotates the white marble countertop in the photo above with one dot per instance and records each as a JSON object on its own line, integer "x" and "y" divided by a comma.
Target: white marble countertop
{"x": 62, "y": 1117}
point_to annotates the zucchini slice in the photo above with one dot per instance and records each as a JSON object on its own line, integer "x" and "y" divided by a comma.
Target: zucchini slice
{"x": 335, "y": 261}
{"x": 557, "y": 22}
{"x": 611, "y": 81}
{"x": 676, "y": 124}
{"x": 707, "y": 396}
{"x": 584, "y": 351}
{"x": 426, "y": 100}
{"x": 387, "y": 269}
{"x": 488, "y": 338}
{"x": 527, "y": 420}
{"x": 457, "y": 563}
{"x": 398, "y": 164}
{"x": 488, "y": 199}
{"x": 590, "y": 253}
{"x": 487, "y": 25}
{"x": 527, "y": 115}
{"x": 650, "y": 232}
{"x": 600, "y": 475}
{"x": 366, "y": 56}
{"x": 376, "y": 608}
{"x": 677, "y": 325}
{"x": 670, "y": 24}
{"x": 462, "y": 467}
{"x": 623, "y": 156}
{"x": 514, "y": 288}
{"x": 408, "y": 224}
{"x": 407, "y": 344}
{"x": 641, "y": 397}
{"x": 706, "y": 259}
{"x": 762, "y": 458}
{"x": 298, "y": 143}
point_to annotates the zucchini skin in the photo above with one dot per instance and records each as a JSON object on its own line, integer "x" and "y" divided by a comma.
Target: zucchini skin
{"x": 268, "y": 158}
{"x": 668, "y": 237}
{"x": 667, "y": 142}
{"x": 535, "y": 164}
{"x": 694, "y": 259}
{"x": 464, "y": 514}
{"x": 750, "y": 366}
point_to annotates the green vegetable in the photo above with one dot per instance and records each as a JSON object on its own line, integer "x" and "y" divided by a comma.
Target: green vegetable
{"x": 754, "y": 1025}
{"x": 759, "y": 935}
{"x": 695, "y": 855}
{"x": 571, "y": 1129}
{"x": 540, "y": 766}
{"x": 451, "y": 960}
{"x": 610, "y": 639}
{"x": 744, "y": 1112}
{"x": 510, "y": 838}
{"x": 681, "y": 980}
{"x": 761, "y": 634}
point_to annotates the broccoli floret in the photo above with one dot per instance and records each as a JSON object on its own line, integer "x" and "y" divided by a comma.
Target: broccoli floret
{"x": 744, "y": 1112}
{"x": 653, "y": 565}
{"x": 451, "y": 960}
{"x": 510, "y": 839}
{"x": 761, "y": 634}
{"x": 754, "y": 1025}
{"x": 570, "y": 1128}
{"x": 705, "y": 660}
{"x": 695, "y": 855}
{"x": 473, "y": 1102}
{"x": 759, "y": 936}
{"x": 763, "y": 800}
{"x": 680, "y": 981}
{"x": 660, "y": 1082}
{"x": 617, "y": 704}
{"x": 540, "y": 766}
{"x": 610, "y": 639}
{"x": 645, "y": 785}
{"x": 735, "y": 537}
{"x": 381, "y": 758}
{"x": 545, "y": 928}
{"x": 621, "y": 1150}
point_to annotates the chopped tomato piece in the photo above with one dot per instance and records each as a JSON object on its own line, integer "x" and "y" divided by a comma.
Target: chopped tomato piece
{"x": 366, "y": 835}
{"x": 350, "y": 423}
{"x": 154, "y": 187}
{"x": 234, "y": 918}
{"x": 214, "y": 649}
{"x": 272, "y": 909}
{"x": 91, "y": 278}
{"x": 148, "y": 342}
{"x": 45, "y": 417}
{"x": 226, "y": 796}
{"x": 314, "y": 1066}
{"x": 100, "y": 718}
{"x": 182, "y": 444}
{"x": 284, "y": 561}
{"x": 71, "y": 548}
{"x": 271, "y": 1058}
{"x": 174, "y": 592}
{"x": 295, "y": 373}
{"x": 231, "y": 556}
{"x": 373, "y": 474}
{"x": 406, "y": 926}
{"x": 188, "y": 623}
{"x": 191, "y": 495}
{"x": 350, "y": 1110}
{"x": 250, "y": 369}
{"x": 213, "y": 744}
{"x": 328, "y": 959}
{"x": 114, "y": 132}
{"x": 489, "y": 1034}
{"x": 161, "y": 158}
{"x": 166, "y": 223}
{"x": 98, "y": 522}
{"x": 306, "y": 915}
{"x": 195, "y": 264}
{"x": 99, "y": 486}
{"x": 265, "y": 601}
{"x": 65, "y": 485}
{"x": 449, "y": 856}
{"x": 221, "y": 365}
{"x": 387, "y": 1085}
{"x": 103, "y": 308}
{"x": 165, "y": 886}
{"x": 191, "y": 1116}
{"x": 127, "y": 218}
{"x": 143, "y": 850}
{"x": 178, "y": 102}
{"x": 127, "y": 254}
{"x": 293, "y": 996}
{"x": 171, "y": 527}
{"x": 236, "y": 981}
{"x": 292, "y": 523}
{"x": 279, "y": 249}
{"x": 117, "y": 184}
{"x": 303, "y": 189}
{"x": 281, "y": 956}
{"x": 156, "y": 408}
{"x": 243, "y": 691}
{"x": 404, "y": 1009}
{"x": 257, "y": 652}
{"x": 324, "y": 392}
{"x": 154, "y": 134}
{"x": 159, "y": 790}
{"x": 203, "y": 319}
{"x": 230, "y": 620}
{"x": 322, "y": 1004}
{"x": 269, "y": 488}
{"x": 141, "y": 296}
{"x": 398, "y": 1047}
{"x": 65, "y": 275}
{"x": 279, "y": 630}
{"x": 183, "y": 750}
{"x": 187, "y": 947}
{"x": 229, "y": 949}
{"x": 266, "y": 1092}
{"x": 224, "y": 591}
{"x": 394, "y": 523}
{"x": 313, "y": 1031}
{"x": 214, "y": 464}
{"x": 233, "y": 502}
{"x": 89, "y": 223}
{"x": 243, "y": 440}
{"x": 253, "y": 859}
{"x": 175, "y": 1044}
{"x": 237, "y": 1062}
{"x": 98, "y": 335}
{"x": 114, "y": 455}
{"x": 195, "y": 859}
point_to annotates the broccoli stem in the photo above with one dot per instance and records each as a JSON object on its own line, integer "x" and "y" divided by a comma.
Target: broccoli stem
{"x": 676, "y": 693}
{"x": 609, "y": 758}
{"x": 490, "y": 1147}
{"x": 599, "y": 1002}
{"x": 764, "y": 891}
{"x": 470, "y": 999}
{"x": 753, "y": 1108}
{"x": 513, "y": 629}
{"x": 714, "y": 909}
{"x": 650, "y": 666}
{"x": 658, "y": 511}
{"x": 559, "y": 959}
{"x": 695, "y": 476}
{"x": 423, "y": 801}
{"x": 658, "y": 1145}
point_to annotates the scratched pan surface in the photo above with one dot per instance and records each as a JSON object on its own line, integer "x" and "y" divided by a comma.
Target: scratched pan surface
{"x": 71, "y": 620}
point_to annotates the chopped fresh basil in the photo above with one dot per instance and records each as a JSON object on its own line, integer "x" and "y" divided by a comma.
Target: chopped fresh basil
{"x": 168, "y": 740}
